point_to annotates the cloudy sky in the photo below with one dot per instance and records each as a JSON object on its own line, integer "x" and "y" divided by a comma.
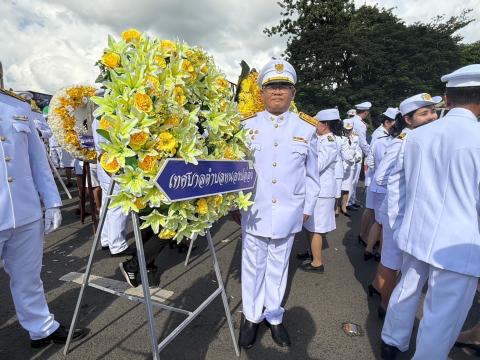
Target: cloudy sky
{"x": 48, "y": 44}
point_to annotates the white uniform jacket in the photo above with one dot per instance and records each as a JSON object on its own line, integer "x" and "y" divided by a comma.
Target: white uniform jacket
{"x": 327, "y": 158}
{"x": 374, "y": 158}
{"x": 442, "y": 181}
{"x": 346, "y": 153}
{"x": 361, "y": 128}
{"x": 284, "y": 151}
{"x": 24, "y": 169}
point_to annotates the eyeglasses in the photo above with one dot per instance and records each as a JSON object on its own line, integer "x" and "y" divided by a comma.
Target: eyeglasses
{"x": 278, "y": 87}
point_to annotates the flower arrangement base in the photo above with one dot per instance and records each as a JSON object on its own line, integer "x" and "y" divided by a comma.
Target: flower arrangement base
{"x": 87, "y": 180}
{"x": 147, "y": 299}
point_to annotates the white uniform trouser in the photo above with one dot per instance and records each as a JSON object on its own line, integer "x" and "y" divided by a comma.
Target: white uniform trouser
{"x": 21, "y": 250}
{"x": 264, "y": 276}
{"x": 447, "y": 302}
{"x": 353, "y": 191}
{"x": 114, "y": 232}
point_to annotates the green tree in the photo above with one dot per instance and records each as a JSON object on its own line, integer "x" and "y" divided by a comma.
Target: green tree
{"x": 345, "y": 55}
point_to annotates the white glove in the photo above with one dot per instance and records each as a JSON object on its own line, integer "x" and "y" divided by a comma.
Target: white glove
{"x": 53, "y": 219}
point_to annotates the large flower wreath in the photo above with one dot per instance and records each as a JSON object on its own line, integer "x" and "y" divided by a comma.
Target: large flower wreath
{"x": 165, "y": 99}
{"x": 61, "y": 118}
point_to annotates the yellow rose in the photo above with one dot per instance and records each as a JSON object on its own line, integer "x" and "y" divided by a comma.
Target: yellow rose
{"x": 202, "y": 206}
{"x": 178, "y": 95}
{"x": 130, "y": 35}
{"x": 111, "y": 60}
{"x": 112, "y": 167}
{"x": 160, "y": 60}
{"x": 148, "y": 164}
{"x": 143, "y": 102}
{"x": 137, "y": 140}
{"x": 166, "y": 234}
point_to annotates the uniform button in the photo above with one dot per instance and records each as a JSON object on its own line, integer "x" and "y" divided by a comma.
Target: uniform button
{"x": 274, "y": 201}
{"x": 3, "y": 138}
{"x": 8, "y": 158}
{"x": 274, "y": 181}
{"x": 281, "y": 117}
{"x": 276, "y": 125}
{"x": 275, "y": 144}
{"x": 274, "y": 164}
{"x": 10, "y": 179}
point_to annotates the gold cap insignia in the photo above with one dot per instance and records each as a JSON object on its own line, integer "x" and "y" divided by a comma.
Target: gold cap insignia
{"x": 279, "y": 68}
{"x": 426, "y": 97}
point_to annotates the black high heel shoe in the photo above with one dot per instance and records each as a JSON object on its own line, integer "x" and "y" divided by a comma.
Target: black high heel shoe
{"x": 372, "y": 291}
{"x": 361, "y": 241}
{"x": 367, "y": 255}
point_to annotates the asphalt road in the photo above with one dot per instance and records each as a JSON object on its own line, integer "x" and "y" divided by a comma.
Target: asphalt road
{"x": 316, "y": 304}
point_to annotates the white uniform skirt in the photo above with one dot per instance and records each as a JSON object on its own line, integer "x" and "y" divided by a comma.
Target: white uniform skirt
{"x": 377, "y": 204}
{"x": 338, "y": 189}
{"x": 391, "y": 256}
{"x": 348, "y": 178}
{"x": 323, "y": 217}
{"x": 369, "y": 199}
{"x": 93, "y": 172}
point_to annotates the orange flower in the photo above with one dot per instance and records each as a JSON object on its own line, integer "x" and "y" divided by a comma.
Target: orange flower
{"x": 112, "y": 166}
{"x": 137, "y": 140}
{"x": 148, "y": 164}
{"x": 140, "y": 204}
{"x": 143, "y": 102}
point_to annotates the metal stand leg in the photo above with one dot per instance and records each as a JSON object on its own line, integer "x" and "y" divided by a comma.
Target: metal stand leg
{"x": 223, "y": 292}
{"x": 190, "y": 247}
{"x": 88, "y": 270}
{"x": 93, "y": 207}
{"x": 55, "y": 171}
{"x": 145, "y": 286}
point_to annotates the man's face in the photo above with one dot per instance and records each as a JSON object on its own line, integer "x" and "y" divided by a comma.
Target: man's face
{"x": 422, "y": 116}
{"x": 277, "y": 97}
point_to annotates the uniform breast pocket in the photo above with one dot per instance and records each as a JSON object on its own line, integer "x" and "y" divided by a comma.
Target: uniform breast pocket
{"x": 21, "y": 128}
{"x": 298, "y": 172}
{"x": 20, "y": 133}
{"x": 299, "y": 151}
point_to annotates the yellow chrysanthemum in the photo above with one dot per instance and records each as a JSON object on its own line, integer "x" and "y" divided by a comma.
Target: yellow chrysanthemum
{"x": 166, "y": 142}
{"x": 152, "y": 81}
{"x": 69, "y": 123}
{"x": 137, "y": 140}
{"x": 143, "y": 102}
{"x": 131, "y": 35}
{"x": 104, "y": 123}
{"x": 148, "y": 163}
{"x": 202, "y": 206}
{"x": 111, "y": 60}
{"x": 179, "y": 95}
{"x": 72, "y": 138}
{"x": 228, "y": 153}
{"x": 166, "y": 234}
{"x": 112, "y": 167}
{"x": 160, "y": 60}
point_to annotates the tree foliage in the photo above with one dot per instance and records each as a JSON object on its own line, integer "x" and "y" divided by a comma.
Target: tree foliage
{"x": 344, "y": 55}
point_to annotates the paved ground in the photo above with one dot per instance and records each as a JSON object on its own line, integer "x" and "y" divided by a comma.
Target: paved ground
{"x": 316, "y": 304}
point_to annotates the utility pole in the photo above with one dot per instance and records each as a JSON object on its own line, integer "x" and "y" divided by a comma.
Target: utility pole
{"x": 1, "y": 76}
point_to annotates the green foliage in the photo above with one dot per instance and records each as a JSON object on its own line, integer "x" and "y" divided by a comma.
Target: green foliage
{"x": 344, "y": 55}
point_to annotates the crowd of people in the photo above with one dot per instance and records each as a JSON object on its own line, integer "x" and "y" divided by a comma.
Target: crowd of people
{"x": 420, "y": 219}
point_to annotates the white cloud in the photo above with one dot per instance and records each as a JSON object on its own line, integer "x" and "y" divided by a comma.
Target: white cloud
{"x": 47, "y": 45}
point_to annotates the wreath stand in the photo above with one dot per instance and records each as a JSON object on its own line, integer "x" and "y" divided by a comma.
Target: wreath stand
{"x": 87, "y": 180}
{"x": 146, "y": 299}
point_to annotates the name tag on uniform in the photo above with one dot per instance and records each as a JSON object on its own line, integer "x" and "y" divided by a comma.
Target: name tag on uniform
{"x": 21, "y": 117}
{"x": 300, "y": 139}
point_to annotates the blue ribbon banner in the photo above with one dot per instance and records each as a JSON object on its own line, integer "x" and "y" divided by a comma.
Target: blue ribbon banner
{"x": 87, "y": 141}
{"x": 181, "y": 181}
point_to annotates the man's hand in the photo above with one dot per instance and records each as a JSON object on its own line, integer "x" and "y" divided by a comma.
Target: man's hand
{"x": 53, "y": 219}
{"x": 305, "y": 218}
{"x": 236, "y": 216}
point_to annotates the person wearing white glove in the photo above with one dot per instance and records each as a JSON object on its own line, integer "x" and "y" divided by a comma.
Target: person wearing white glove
{"x": 25, "y": 182}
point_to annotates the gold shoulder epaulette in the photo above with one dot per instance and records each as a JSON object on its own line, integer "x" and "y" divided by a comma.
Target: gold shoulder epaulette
{"x": 249, "y": 117}
{"x": 308, "y": 119}
{"x": 402, "y": 136}
{"x": 12, "y": 94}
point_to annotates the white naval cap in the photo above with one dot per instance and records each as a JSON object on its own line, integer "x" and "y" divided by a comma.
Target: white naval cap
{"x": 391, "y": 113}
{"x": 347, "y": 124}
{"x": 466, "y": 76}
{"x": 277, "y": 71}
{"x": 364, "y": 106}
{"x": 327, "y": 115}
{"x": 418, "y": 101}
{"x": 351, "y": 112}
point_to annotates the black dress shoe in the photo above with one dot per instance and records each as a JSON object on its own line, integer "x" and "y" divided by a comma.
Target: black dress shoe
{"x": 372, "y": 291}
{"x": 381, "y": 312}
{"x": 475, "y": 347}
{"x": 304, "y": 256}
{"x": 361, "y": 241}
{"x": 279, "y": 334}
{"x": 248, "y": 334}
{"x": 105, "y": 248}
{"x": 357, "y": 206}
{"x": 377, "y": 257}
{"x": 351, "y": 208}
{"x": 388, "y": 352}
{"x": 308, "y": 267}
{"x": 367, "y": 255}
{"x": 59, "y": 336}
{"x": 129, "y": 251}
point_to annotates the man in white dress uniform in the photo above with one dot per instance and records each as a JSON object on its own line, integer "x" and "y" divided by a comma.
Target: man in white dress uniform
{"x": 25, "y": 183}
{"x": 439, "y": 234}
{"x": 284, "y": 153}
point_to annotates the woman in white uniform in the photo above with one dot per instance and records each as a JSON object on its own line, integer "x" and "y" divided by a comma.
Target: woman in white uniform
{"x": 413, "y": 114}
{"x": 345, "y": 153}
{"x": 375, "y": 193}
{"x": 322, "y": 220}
